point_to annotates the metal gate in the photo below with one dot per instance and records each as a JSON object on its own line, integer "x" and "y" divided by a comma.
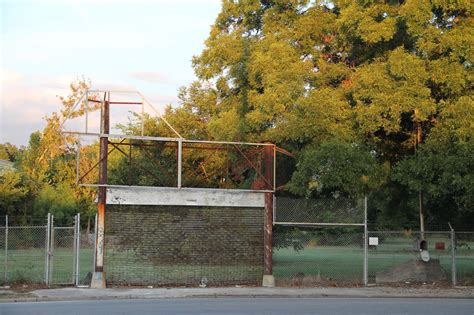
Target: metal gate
{"x": 62, "y": 259}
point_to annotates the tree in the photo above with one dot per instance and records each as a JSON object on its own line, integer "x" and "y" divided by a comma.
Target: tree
{"x": 9, "y": 152}
{"x": 12, "y": 193}
{"x": 384, "y": 74}
{"x": 336, "y": 167}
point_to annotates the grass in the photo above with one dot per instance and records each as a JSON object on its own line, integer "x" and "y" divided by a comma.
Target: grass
{"x": 346, "y": 263}
{"x": 329, "y": 262}
{"x": 29, "y": 265}
{"x": 341, "y": 263}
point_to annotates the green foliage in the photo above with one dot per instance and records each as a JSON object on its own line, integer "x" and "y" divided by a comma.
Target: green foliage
{"x": 445, "y": 175}
{"x": 12, "y": 192}
{"x": 335, "y": 167}
{"x": 9, "y": 152}
{"x": 58, "y": 200}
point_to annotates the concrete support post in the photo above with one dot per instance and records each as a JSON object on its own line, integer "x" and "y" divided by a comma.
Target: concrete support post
{"x": 268, "y": 279}
{"x": 98, "y": 278}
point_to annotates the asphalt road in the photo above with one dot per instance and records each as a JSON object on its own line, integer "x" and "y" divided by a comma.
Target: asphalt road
{"x": 326, "y": 306}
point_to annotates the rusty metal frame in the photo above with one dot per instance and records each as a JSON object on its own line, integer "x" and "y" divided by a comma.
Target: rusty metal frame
{"x": 85, "y": 98}
{"x": 234, "y": 148}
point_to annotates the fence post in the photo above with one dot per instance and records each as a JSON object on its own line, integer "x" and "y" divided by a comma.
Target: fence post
{"x": 78, "y": 246}
{"x": 453, "y": 256}
{"x": 74, "y": 251}
{"x": 366, "y": 250}
{"x": 51, "y": 251}
{"x": 48, "y": 233}
{"x": 180, "y": 161}
{"x": 6, "y": 251}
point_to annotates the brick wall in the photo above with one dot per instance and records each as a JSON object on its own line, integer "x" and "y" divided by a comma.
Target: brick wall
{"x": 169, "y": 245}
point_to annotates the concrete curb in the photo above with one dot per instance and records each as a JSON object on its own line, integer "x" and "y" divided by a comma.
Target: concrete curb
{"x": 74, "y": 294}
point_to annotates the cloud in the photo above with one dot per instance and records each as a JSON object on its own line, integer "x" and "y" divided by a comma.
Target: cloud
{"x": 149, "y": 76}
{"x": 25, "y": 101}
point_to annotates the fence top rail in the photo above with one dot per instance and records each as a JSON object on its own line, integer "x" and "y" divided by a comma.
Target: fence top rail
{"x": 24, "y": 226}
{"x": 312, "y": 224}
{"x": 412, "y": 232}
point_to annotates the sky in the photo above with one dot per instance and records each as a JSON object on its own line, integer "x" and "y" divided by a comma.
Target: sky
{"x": 116, "y": 44}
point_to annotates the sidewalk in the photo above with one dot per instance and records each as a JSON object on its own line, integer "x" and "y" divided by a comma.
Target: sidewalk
{"x": 68, "y": 294}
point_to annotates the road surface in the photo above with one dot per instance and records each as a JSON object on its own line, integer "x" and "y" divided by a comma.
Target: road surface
{"x": 326, "y": 306}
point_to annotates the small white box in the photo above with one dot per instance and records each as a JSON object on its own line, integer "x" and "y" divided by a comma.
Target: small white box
{"x": 373, "y": 241}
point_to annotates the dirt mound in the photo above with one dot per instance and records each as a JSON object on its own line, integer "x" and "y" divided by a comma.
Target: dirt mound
{"x": 415, "y": 271}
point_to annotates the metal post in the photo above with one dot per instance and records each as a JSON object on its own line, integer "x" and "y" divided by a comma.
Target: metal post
{"x": 48, "y": 234}
{"x": 274, "y": 210}
{"x": 274, "y": 167}
{"x": 78, "y": 247}
{"x": 366, "y": 245}
{"x": 87, "y": 111}
{"x": 180, "y": 161}
{"x": 74, "y": 250}
{"x": 51, "y": 251}
{"x": 143, "y": 116}
{"x": 421, "y": 211}
{"x": 268, "y": 279}
{"x": 6, "y": 251}
{"x": 453, "y": 256}
{"x": 78, "y": 157}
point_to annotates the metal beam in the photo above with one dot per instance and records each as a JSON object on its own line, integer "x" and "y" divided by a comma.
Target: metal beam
{"x": 190, "y": 188}
{"x": 303, "y": 224}
{"x": 165, "y": 139}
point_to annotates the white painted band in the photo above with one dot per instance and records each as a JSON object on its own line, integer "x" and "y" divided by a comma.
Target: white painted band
{"x": 165, "y": 196}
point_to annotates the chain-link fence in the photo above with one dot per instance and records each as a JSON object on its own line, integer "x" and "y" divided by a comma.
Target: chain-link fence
{"x": 395, "y": 257}
{"x": 42, "y": 253}
{"x": 329, "y": 210}
{"x": 327, "y": 256}
{"x": 325, "y": 240}
{"x": 85, "y": 256}
{"x": 23, "y": 254}
{"x": 464, "y": 257}
{"x": 318, "y": 257}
